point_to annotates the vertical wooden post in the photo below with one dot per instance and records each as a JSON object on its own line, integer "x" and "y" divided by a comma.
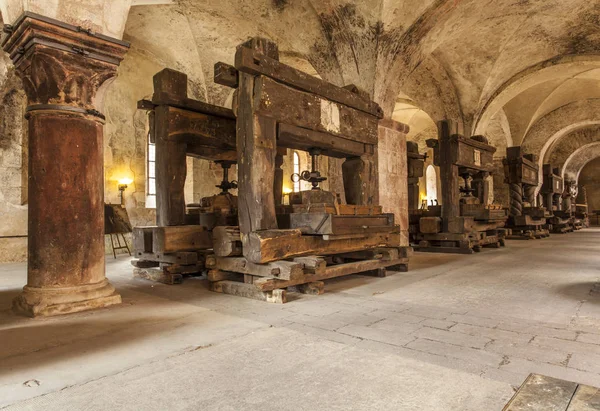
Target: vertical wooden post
{"x": 448, "y": 175}
{"x": 278, "y": 184}
{"x": 171, "y": 167}
{"x": 256, "y": 148}
{"x": 361, "y": 179}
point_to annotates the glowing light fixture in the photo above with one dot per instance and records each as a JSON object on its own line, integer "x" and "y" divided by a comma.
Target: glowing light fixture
{"x": 123, "y": 183}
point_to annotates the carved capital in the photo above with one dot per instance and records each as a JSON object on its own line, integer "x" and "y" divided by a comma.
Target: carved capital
{"x": 61, "y": 64}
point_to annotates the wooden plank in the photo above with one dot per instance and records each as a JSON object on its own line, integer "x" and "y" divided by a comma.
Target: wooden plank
{"x": 299, "y": 138}
{"x": 340, "y": 270}
{"x": 314, "y": 288}
{"x": 384, "y": 254}
{"x": 278, "y": 269}
{"x": 586, "y": 398}
{"x": 256, "y": 145}
{"x": 174, "y": 258}
{"x": 539, "y": 392}
{"x": 291, "y": 106}
{"x": 248, "y": 291}
{"x": 271, "y": 245}
{"x": 181, "y": 238}
{"x": 171, "y": 172}
{"x": 252, "y": 62}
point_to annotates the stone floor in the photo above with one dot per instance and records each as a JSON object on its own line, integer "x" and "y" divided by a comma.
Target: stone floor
{"x": 454, "y": 333}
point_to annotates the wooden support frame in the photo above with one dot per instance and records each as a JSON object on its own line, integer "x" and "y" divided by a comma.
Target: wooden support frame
{"x": 183, "y": 127}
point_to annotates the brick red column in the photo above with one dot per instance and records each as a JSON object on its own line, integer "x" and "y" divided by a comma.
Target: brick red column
{"x": 63, "y": 67}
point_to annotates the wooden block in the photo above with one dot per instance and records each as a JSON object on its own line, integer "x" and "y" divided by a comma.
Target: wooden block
{"x": 430, "y": 225}
{"x": 227, "y": 241}
{"x": 158, "y": 275}
{"x": 169, "y": 81}
{"x": 314, "y": 288}
{"x": 249, "y": 291}
{"x": 180, "y": 238}
{"x": 142, "y": 239}
{"x": 144, "y": 263}
{"x": 312, "y": 264}
{"x": 378, "y": 272}
{"x": 182, "y": 269}
{"x": 218, "y": 275}
{"x": 226, "y": 75}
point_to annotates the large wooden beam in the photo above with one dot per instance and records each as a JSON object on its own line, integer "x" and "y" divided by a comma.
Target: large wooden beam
{"x": 271, "y": 245}
{"x": 257, "y": 147}
{"x": 302, "y": 109}
{"x": 257, "y": 63}
{"x": 299, "y": 138}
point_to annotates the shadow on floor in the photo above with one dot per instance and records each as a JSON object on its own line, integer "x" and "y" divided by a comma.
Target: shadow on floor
{"x": 588, "y": 291}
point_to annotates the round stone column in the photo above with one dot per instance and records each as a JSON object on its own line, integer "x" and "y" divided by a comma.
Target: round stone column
{"x": 62, "y": 68}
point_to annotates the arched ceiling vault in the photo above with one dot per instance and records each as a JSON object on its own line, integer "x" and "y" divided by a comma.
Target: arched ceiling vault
{"x": 559, "y": 123}
{"x": 459, "y": 59}
{"x": 561, "y": 150}
{"x": 578, "y": 160}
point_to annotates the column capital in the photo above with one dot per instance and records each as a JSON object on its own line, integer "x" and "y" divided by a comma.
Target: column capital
{"x": 61, "y": 64}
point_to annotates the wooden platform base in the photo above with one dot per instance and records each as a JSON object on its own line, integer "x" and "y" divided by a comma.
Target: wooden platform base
{"x": 466, "y": 243}
{"x": 528, "y": 233}
{"x": 166, "y": 273}
{"x": 305, "y": 274}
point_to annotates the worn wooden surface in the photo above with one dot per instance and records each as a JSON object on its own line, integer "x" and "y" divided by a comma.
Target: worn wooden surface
{"x": 180, "y": 238}
{"x": 257, "y": 63}
{"x": 271, "y": 245}
{"x": 256, "y": 142}
{"x": 542, "y": 393}
{"x": 291, "y": 136}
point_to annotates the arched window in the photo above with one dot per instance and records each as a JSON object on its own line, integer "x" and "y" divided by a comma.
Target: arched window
{"x": 296, "y": 171}
{"x": 151, "y": 175}
{"x": 431, "y": 180}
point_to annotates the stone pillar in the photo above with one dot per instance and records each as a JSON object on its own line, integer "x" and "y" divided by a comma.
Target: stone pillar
{"x": 393, "y": 173}
{"x": 63, "y": 67}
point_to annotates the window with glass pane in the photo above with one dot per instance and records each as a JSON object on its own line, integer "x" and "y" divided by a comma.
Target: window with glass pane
{"x": 296, "y": 171}
{"x": 151, "y": 173}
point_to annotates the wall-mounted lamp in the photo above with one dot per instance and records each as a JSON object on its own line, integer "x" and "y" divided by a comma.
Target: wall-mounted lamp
{"x": 123, "y": 183}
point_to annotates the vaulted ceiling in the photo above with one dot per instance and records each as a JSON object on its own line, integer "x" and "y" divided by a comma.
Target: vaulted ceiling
{"x": 519, "y": 71}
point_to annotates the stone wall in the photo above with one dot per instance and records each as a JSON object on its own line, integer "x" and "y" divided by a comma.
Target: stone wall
{"x": 13, "y": 165}
{"x": 590, "y": 179}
